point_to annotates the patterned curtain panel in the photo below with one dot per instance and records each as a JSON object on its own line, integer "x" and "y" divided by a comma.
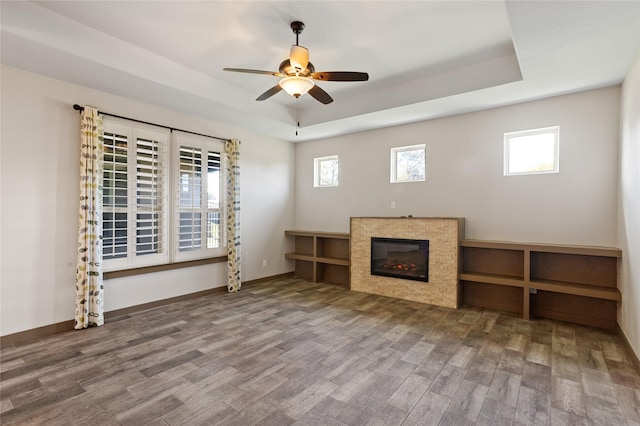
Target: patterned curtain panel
{"x": 89, "y": 289}
{"x": 232, "y": 153}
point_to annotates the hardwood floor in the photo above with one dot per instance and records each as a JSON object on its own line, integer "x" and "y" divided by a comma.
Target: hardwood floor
{"x": 292, "y": 352}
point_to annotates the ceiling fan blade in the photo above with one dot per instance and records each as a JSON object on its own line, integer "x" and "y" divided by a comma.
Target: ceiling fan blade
{"x": 269, "y": 93}
{"x": 320, "y": 95}
{"x": 340, "y": 76}
{"x": 274, "y": 73}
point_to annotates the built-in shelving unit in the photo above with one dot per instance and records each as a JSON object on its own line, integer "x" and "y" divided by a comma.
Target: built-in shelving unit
{"x": 569, "y": 283}
{"x": 321, "y": 256}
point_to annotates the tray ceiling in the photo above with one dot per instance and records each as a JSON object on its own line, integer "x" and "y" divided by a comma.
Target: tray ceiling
{"x": 425, "y": 59}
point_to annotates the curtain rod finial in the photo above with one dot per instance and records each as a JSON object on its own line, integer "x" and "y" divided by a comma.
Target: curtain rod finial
{"x": 77, "y": 107}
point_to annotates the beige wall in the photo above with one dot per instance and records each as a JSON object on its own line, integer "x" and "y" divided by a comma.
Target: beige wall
{"x": 39, "y": 184}
{"x": 629, "y": 208}
{"x": 464, "y": 179}
{"x": 464, "y": 174}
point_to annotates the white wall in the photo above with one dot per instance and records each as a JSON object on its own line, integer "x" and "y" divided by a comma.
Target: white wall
{"x": 465, "y": 178}
{"x": 629, "y": 208}
{"x": 39, "y": 184}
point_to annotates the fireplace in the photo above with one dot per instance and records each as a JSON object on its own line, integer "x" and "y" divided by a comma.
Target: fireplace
{"x": 443, "y": 234}
{"x": 400, "y": 258}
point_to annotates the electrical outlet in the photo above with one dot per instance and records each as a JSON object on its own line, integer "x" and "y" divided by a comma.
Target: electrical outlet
{"x": 393, "y": 204}
{"x": 264, "y": 263}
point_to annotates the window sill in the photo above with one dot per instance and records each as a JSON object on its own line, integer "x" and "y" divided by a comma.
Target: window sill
{"x": 160, "y": 268}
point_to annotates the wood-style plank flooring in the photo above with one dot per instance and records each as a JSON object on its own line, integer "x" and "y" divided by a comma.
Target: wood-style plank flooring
{"x": 290, "y": 352}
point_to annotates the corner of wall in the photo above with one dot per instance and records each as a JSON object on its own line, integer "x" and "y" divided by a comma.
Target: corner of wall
{"x": 628, "y": 224}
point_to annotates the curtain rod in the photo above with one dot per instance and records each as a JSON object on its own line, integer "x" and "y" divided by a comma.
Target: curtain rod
{"x": 80, "y": 108}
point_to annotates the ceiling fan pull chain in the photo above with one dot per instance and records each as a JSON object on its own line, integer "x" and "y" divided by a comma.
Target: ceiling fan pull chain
{"x": 297, "y": 115}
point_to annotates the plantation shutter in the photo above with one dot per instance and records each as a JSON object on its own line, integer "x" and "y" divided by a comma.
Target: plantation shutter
{"x": 115, "y": 192}
{"x": 150, "y": 197}
{"x": 190, "y": 199}
{"x": 135, "y": 202}
{"x": 214, "y": 228}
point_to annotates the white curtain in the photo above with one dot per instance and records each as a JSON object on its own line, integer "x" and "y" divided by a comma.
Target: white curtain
{"x": 89, "y": 287}
{"x": 232, "y": 154}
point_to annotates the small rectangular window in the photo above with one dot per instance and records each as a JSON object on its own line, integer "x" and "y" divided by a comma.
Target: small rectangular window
{"x": 531, "y": 151}
{"x": 408, "y": 163}
{"x": 326, "y": 171}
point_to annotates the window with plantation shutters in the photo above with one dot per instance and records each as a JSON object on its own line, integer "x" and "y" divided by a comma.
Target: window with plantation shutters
{"x": 163, "y": 196}
{"x": 135, "y": 198}
{"x": 198, "y": 188}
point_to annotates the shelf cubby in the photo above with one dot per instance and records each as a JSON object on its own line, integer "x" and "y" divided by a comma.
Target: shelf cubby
{"x": 492, "y": 296}
{"x": 493, "y": 261}
{"x": 321, "y": 256}
{"x": 569, "y": 283}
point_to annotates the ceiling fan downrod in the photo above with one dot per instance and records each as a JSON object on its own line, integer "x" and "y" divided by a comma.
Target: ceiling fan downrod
{"x": 297, "y": 27}
{"x": 299, "y": 55}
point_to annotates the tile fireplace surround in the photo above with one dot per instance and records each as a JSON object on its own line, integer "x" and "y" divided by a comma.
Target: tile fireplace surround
{"x": 443, "y": 235}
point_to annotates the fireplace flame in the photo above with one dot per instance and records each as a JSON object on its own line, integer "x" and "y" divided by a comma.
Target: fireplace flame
{"x": 409, "y": 267}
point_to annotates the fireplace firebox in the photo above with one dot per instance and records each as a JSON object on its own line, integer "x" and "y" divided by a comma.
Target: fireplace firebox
{"x": 400, "y": 258}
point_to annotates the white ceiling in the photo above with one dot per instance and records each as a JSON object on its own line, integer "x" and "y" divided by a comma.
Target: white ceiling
{"x": 425, "y": 59}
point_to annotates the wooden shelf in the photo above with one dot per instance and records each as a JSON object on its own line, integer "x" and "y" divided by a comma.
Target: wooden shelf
{"x": 492, "y": 279}
{"x": 333, "y": 261}
{"x": 321, "y": 256}
{"x": 549, "y": 248}
{"x": 597, "y": 292}
{"x": 332, "y": 235}
{"x": 298, "y": 256}
{"x": 565, "y": 282}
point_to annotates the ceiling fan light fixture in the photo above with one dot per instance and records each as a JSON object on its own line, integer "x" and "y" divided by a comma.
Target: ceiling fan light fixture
{"x": 297, "y": 74}
{"x": 296, "y": 86}
{"x": 299, "y": 57}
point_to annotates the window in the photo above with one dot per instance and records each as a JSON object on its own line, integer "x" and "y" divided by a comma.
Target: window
{"x": 147, "y": 219}
{"x": 408, "y": 163}
{"x": 326, "y": 171}
{"x": 199, "y": 203}
{"x": 134, "y": 197}
{"x": 531, "y": 151}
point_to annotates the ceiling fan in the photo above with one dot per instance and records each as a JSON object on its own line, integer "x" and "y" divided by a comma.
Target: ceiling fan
{"x": 298, "y": 74}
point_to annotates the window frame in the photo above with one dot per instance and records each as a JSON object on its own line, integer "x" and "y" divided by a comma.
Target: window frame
{"x": 317, "y": 178}
{"x": 554, "y": 130}
{"x": 393, "y": 172}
